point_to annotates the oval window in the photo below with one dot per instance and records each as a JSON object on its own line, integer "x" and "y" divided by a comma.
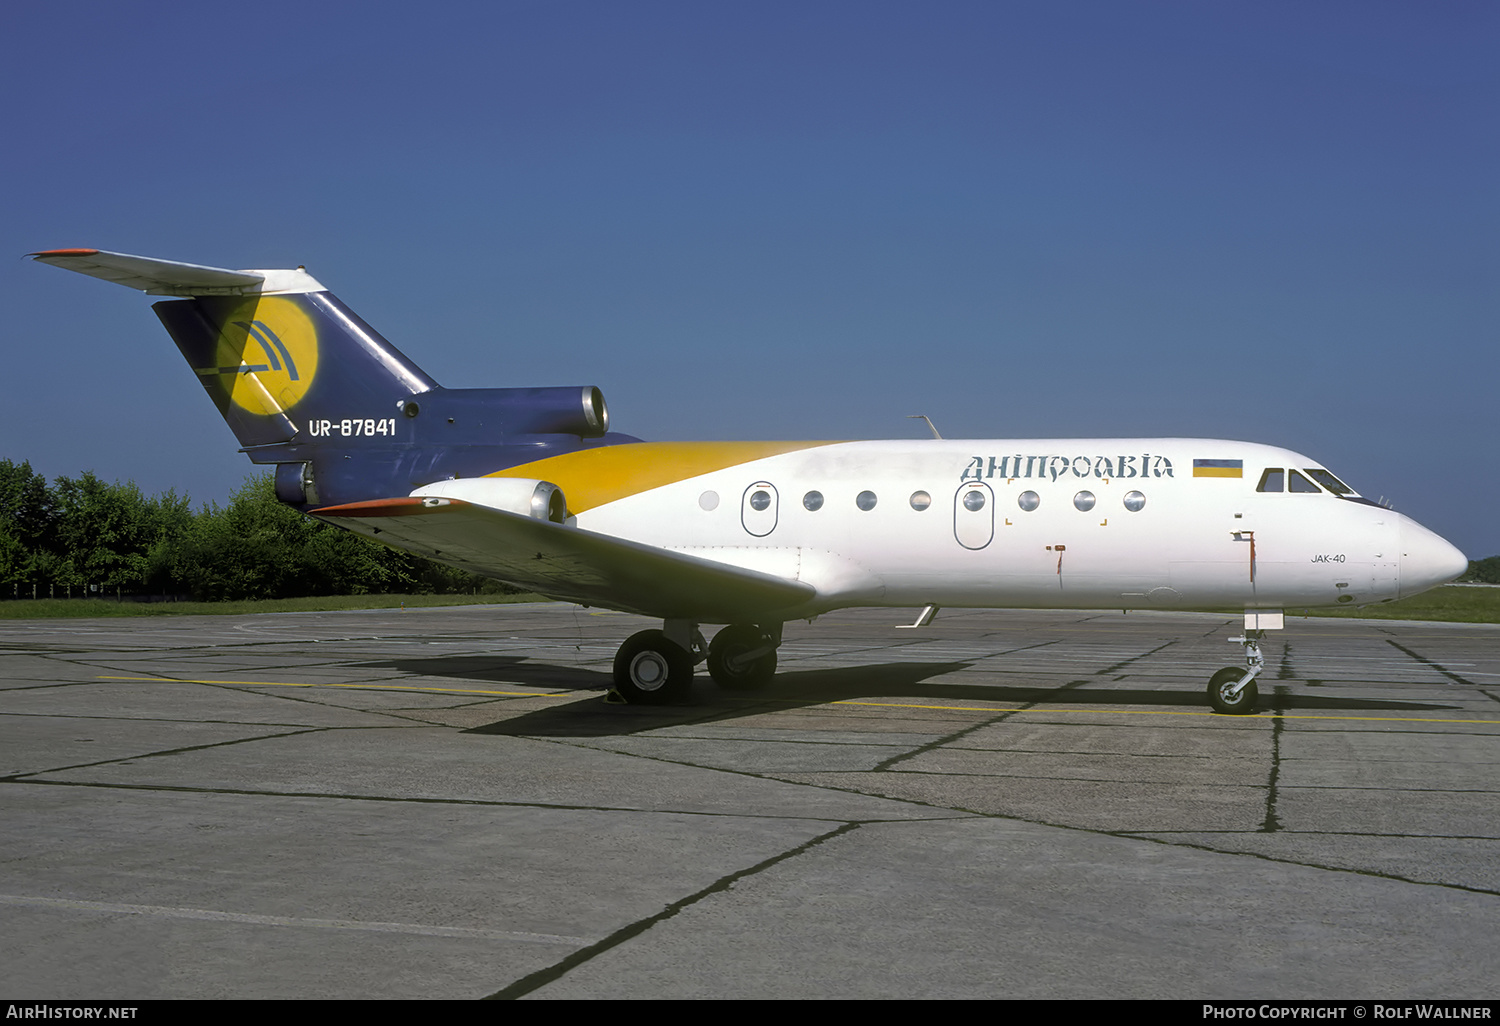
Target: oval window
{"x": 708, "y": 500}
{"x": 865, "y": 500}
{"x": 760, "y": 501}
{"x": 812, "y": 501}
{"x": 1135, "y": 501}
{"x": 1028, "y": 501}
{"x": 920, "y": 500}
{"x": 1083, "y": 501}
{"x": 974, "y": 501}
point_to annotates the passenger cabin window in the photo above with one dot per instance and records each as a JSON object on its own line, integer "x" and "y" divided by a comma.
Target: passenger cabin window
{"x": 1300, "y": 483}
{"x": 1271, "y": 481}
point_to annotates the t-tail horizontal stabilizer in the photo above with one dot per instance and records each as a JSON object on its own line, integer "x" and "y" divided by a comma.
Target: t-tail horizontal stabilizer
{"x": 174, "y": 278}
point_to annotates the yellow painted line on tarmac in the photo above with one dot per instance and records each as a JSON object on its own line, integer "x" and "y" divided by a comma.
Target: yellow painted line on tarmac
{"x": 357, "y": 687}
{"x": 1169, "y": 712}
{"x": 877, "y": 705}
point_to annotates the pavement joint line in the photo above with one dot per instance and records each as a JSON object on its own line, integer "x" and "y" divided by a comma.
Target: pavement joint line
{"x": 534, "y": 981}
{"x": 863, "y": 742}
{"x": 1439, "y": 667}
{"x": 1161, "y": 838}
{"x": 195, "y": 720}
{"x": 778, "y": 776}
{"x": 1292, "y": 832}
{"x": 999, "y": 716}
{"x": 488, "y": 803}
{"x": 997, "y": 775}
{"x": 172, "y": 912}
{"x": 1169, "y": 712}
{"x": 1325, "y": 867}
{"x": 1126, "y": 662}
{"x": 20, "y": 778}
{"x": 497, "y": 803}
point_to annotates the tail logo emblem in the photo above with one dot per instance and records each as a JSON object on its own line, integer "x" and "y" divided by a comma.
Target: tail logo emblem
{"x": 266, "y": 357}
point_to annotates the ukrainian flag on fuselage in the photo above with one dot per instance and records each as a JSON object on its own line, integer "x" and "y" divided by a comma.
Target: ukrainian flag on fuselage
{"x": 1218, "y": 468}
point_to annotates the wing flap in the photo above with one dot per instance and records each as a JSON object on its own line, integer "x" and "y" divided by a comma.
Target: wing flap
{"x": 569, "y": 563}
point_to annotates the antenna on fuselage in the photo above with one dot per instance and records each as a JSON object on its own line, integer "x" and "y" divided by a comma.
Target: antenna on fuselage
{"x": 930, "y": 426}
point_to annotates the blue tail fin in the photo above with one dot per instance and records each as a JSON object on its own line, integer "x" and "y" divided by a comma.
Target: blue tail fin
{"x": 305, "y": 384}
{"x": 274, "y": 349}
{"x": 277, "y": 365}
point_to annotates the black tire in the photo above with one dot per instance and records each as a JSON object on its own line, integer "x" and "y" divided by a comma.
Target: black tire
{"x": 1221, "y": 682}
{"x": 651, "y": 670}
{"x": 726, "y": 666}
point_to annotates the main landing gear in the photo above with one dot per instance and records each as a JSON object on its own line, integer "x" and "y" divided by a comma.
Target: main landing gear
{"x": 1232, "y": 690}
{"x": 653, "y": 669}
{"x": 656, "y": 667}
{"x": 743, "y": 656}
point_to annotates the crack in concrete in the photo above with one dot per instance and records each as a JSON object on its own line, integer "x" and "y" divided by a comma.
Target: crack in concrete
{"x": 535, "y": 981}
{"x": 1271, "y": 823}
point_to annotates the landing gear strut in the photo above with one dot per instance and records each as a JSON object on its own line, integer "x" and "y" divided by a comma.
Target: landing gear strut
{"x": 1232, "y": 690}
{"x": 656, "y": 667}
{"x": 742, "y": 656}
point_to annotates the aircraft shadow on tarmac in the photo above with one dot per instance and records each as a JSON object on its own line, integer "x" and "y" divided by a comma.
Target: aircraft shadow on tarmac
{"x": 499, "y": 670}
{"x": 873, "y": 683}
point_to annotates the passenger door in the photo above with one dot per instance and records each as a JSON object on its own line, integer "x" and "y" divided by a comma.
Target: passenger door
{"x": 974, "y": 515}
{"x": 758, "y": 509}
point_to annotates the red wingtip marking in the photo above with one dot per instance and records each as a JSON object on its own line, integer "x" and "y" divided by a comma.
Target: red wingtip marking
{"x": 66, "y": 252}
{"x": 402, "y": 507}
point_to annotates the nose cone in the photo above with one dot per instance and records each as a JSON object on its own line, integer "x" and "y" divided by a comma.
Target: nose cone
{"x": 1426, "y": 559}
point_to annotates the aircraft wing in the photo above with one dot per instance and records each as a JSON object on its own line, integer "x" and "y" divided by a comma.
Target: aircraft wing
{"x": 569, "y": 563}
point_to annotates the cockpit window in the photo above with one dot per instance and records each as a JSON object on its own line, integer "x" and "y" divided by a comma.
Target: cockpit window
{"x": 1328, "y": 481}
{"x": 1271, "y": 480}
{"x": 1300, "y": 483}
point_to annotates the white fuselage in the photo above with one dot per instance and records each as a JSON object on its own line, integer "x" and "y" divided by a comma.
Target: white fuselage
{"x": 1198, "y": 538}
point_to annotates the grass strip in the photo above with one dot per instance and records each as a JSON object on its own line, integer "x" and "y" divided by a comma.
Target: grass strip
{"x": 45, "y": 609}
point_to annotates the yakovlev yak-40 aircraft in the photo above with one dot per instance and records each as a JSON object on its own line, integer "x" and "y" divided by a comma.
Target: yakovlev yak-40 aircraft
{"x": 529, "y": 485}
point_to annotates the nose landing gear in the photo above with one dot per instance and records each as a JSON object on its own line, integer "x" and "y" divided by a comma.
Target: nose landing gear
{"x": 1232, "y": 690}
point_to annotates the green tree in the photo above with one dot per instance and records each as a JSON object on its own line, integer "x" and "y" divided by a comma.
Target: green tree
{"x": 103, "y": 529}
{"x": 15, "y": 561}
{"x": 169, "y": 521}
{"x": 1485, "y": 571}
{"x": 85, "y": 531}
{"x": 27, "y": 522}
{"x": 248, "y": 549}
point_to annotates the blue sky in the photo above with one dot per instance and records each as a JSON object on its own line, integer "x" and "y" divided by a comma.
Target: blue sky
{"x": 1271, "y": 221}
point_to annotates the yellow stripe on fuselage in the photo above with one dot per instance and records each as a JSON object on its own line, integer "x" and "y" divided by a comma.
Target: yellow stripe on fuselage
{"x": 593, "y": 477}
{"x": 1218, "y": 472}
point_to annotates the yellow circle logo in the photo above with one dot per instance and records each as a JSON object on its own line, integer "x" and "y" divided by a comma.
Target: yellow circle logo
{"x": 267, "y": 355}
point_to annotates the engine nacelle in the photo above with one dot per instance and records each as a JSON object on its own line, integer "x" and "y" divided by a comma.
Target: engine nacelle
{"x": 541, "y": 500}
{"x": 488, "y": 415}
